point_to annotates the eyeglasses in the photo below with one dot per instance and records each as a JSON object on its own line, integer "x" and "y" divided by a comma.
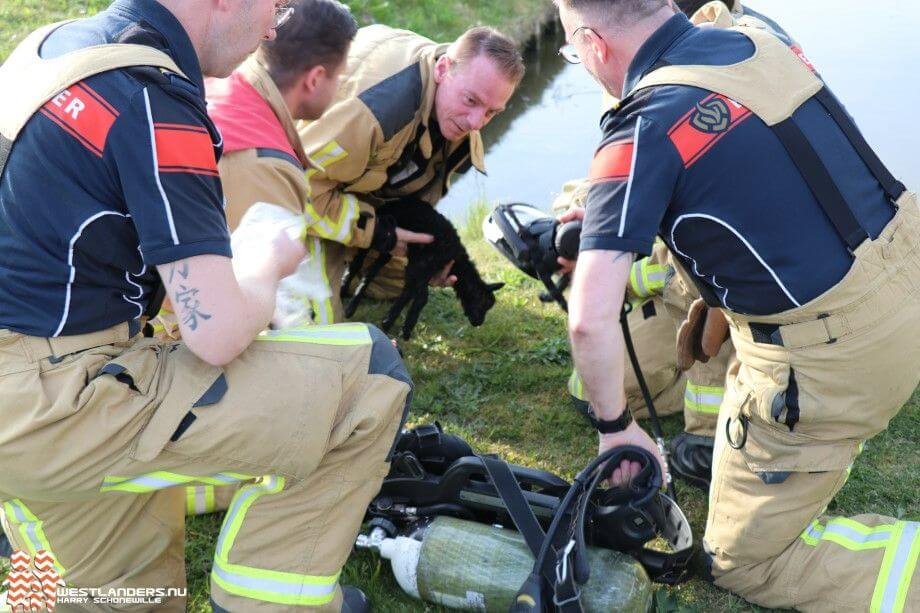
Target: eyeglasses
{"x": 282, "y": 15}
{"x": 568, "y": 51}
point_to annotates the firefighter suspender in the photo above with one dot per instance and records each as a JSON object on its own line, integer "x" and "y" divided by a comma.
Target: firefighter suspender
{"x": 48, "y": 77}
{"x": 774, "y": 83}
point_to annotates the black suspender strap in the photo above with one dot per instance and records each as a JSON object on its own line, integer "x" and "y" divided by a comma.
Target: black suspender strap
{"x": 893, "y": 188}
{"x": 820, "y": 182}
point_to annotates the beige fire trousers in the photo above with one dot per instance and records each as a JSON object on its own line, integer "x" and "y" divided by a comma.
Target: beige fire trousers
{"x": 102, "y": 432}
{"x": 813, "y": 384}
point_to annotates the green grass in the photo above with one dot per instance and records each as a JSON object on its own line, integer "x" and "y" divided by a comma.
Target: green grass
{"x": 502, "y": 386}
{"x": 440, "y": 20}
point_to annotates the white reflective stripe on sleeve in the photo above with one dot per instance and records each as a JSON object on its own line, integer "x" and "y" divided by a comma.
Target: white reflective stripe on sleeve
{"x": 632, "y": 173}
{"x": 156, "y": 171}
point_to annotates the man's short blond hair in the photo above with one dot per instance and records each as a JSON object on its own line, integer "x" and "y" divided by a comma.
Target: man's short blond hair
{"x": 489, "y": 42}
{"x": 615, "y": 12}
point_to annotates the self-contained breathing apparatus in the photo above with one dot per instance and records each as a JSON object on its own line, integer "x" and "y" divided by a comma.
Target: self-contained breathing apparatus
{"x": 564, "y": 525}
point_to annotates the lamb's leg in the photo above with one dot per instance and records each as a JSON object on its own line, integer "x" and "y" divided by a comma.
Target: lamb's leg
{"x": 354, "y": 267}
{"x": 371, "y": 274}
{"x": 407, "y": 294}
{"x": 421, "y": 299}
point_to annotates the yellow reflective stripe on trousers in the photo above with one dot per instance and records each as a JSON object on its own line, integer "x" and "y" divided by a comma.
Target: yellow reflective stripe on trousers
{"x": 576, "y": 386}
{"x": 703, "y": 398}
{"x": 159, "y": 480}
{"x": 199, "y": 499}
{"x": 647, "y": 279}
{"x": 897, "y": 569}
{"x": 257, "y": 583}
{"x": 323, "y": 313}
{"x": 336, "y": 334}
{"x": 31, "y": 529}
{"x": 849, "y": 534}
{"x": 901, "y": 542}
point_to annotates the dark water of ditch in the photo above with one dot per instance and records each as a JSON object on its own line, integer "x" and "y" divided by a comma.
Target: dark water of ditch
{"x": 868, "y": 52}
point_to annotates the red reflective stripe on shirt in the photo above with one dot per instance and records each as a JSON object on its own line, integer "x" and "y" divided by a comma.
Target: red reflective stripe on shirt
{"x": 705, "y": 125}
{"x": 185, "y": 149}
{"x": 83, "y": 114}
{"x": 612, "y": 163}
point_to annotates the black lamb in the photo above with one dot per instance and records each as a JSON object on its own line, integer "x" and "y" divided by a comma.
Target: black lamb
{"x": 425, "y": 260}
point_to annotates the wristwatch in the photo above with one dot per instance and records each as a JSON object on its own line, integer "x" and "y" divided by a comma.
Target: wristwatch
{"x": 609, "y": 426}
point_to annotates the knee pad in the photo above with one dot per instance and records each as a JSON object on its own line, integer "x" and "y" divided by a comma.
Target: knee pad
{"x": 385, "y": 360}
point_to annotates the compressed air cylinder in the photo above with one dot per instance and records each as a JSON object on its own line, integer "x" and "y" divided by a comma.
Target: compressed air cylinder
{"x": 474, "y": 567}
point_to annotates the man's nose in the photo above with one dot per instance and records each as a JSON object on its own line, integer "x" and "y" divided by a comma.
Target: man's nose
{"x": 478, "y": 119}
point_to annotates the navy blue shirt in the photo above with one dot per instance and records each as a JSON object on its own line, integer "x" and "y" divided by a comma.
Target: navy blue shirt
{"x": 729, "y": 201}
{"x": 113, "y": 176}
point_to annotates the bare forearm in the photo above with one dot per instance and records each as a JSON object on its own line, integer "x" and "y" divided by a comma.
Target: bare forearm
{"x": 219, "y": 313}
{"x": 599, "y": 358}
{"x": 594, "y": 329}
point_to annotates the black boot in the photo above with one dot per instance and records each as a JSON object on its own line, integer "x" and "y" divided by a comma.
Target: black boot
{"x": 691, "y": 458}
{"x": 354, "y": 600}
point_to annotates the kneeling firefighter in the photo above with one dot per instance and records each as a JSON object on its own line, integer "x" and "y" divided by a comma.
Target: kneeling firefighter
{"x": 439, "y": 515}
{"x": 730, "y": 146}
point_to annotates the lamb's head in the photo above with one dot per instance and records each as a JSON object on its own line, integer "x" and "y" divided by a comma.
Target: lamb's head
{"x": 477, "y": 300}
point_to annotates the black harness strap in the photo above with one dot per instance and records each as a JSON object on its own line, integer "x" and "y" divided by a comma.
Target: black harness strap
{"x": 820, "y": 182}
{"x": 510, "y": 491}
{"x": 893, "y": 188}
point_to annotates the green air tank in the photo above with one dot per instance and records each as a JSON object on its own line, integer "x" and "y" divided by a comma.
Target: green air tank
{"x": 474, "y": 567}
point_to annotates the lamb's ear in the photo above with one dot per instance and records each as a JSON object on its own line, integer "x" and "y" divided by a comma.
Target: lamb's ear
{"x": 494, "y": 287}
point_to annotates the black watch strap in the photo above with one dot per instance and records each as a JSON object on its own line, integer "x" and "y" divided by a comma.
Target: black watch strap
{"x": 609, "y": 426}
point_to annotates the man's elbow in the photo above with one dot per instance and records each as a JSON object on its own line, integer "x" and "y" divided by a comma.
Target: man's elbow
{"x": 582, "y": 327}
{"x": 216, "y": 351}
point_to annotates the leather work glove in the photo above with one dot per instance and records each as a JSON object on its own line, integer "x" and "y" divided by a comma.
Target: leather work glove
{"x": 701, "y": 335}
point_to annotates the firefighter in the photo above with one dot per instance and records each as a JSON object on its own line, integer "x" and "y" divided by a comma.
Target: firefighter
{"x": 290, "y": 78}
{"x": 653, "y": 285}
{"x": 110, "y": 190}
{"x": 405, "y": 120}
{"x": 729, "y": 145}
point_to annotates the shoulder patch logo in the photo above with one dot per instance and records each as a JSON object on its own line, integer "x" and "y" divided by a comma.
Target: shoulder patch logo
{"x": 711, "y": 116}
{"x": 704, "y": 125}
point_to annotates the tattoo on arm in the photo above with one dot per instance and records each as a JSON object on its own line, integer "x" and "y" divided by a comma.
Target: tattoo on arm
{"x": 181, "y": 270}
{"x": 186, "y": 301}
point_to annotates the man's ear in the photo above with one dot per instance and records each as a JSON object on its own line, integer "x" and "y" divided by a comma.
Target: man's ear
{"x": 442, "y": 67}
{"x": 312, "y": 78}
{"x": 598, "y": 47}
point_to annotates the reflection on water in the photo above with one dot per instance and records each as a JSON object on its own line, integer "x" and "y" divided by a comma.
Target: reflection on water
{"x": 869, "y": 53}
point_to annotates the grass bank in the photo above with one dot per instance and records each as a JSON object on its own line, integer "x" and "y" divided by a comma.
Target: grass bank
{"x": 440, "y": 20}
{"x": 502, "y": 386}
